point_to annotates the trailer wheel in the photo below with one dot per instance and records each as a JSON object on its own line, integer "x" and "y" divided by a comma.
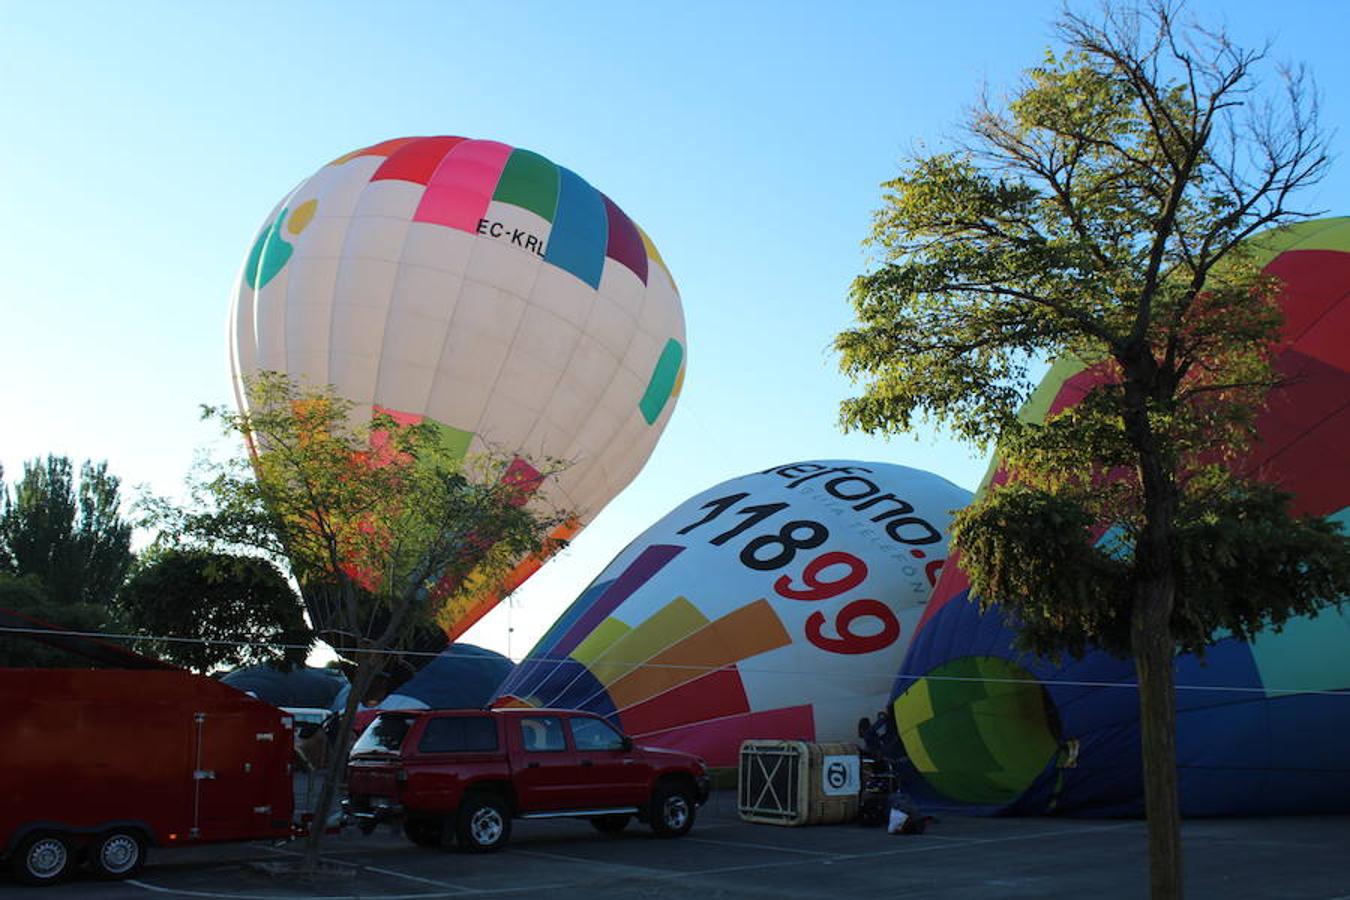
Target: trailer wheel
{"x": 119, "y": 853}
{"x": 484, "y": 823}
{"x": 42, "y": 858}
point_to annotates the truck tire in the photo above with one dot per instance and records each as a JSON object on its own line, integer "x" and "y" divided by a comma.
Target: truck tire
{"x": 42, "y": 858}
{"x": 424, "y": 831}
{"x": 116, "y": 854}
{"x": 672, "y": 810}
{"x": 611, "y": 824}
{"x": 484, "y": 823}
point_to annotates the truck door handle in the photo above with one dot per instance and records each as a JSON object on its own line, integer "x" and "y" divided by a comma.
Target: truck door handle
{"x": 587, "y": 762}
{"x": 532, "y": 766}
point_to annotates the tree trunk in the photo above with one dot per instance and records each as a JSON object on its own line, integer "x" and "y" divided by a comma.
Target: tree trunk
{"x": 367, "y": 668}
{"x": 1153, "y": 645}
{"x": 1151, "y": 628}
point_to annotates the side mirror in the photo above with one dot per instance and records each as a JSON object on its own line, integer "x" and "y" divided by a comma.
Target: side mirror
{"x": 627, "y": 744}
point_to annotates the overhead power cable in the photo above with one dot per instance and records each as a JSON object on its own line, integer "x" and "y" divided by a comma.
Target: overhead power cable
{"x": 853, "y": 674}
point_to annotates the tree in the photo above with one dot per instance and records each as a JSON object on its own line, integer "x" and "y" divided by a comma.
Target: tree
{"x": 64, "y": 551}
{"x": 6, "y": 558}
{"x": 26, "y": 595}
{"x": 381, "y": 528}
{"x": 226, "y": 610}
{"x": 70, "y": 536}
{"x": 1102, "y": 212}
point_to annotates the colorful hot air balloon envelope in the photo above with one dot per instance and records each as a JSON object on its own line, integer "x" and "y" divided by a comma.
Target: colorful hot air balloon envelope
{"x": 479, "y": 287}
{"x": 774, "y": 605}
{"x": 1262, "y": 728}
{"x": 461, "y": 677}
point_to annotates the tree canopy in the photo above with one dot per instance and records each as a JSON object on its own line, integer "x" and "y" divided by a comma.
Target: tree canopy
{"x": 64, "y": 552}
{"x": 225, "y": 610}
{"x": 380, "y": 523}
{"x": 68, "y": 533}
{"x": 1103, "y": 212}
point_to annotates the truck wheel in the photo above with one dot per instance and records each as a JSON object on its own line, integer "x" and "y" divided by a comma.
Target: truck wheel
{"x": 423, "y": 832}
{"x": 610, "y": 824}
{"x": 672, "y": 810}
{"x": 117, "y": 854}
{"x": 42, "y": 858}
{"x": 484, "y": 823}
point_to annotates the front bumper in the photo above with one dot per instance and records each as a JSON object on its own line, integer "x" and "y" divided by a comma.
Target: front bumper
{"x": 703, "y": 785}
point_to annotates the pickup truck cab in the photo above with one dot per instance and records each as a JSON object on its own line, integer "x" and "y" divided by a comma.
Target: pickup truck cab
{"x": 465, "y": 774}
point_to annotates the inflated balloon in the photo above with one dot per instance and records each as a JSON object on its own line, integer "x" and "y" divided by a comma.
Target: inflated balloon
{"x": 1262, "y": 728}
{"x": 461, "y": 677}
{"x": 479, "y": 287}
{"x": 774, "y": 605}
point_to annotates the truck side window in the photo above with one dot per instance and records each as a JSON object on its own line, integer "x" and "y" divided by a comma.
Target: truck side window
{"x": 542, "y": 733}
{"x": 458, "y": 734}
{"x": 595, "y": 734}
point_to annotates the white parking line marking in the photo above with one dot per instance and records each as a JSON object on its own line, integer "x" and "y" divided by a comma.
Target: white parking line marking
{"x": 918, "y": 847}
{"x": 407, "y": 877}
{"x": 218, "y": 895}
{"x": 758, "y": 846}
{"x": 179, "y": 892}
{"x": 561, "y": 857}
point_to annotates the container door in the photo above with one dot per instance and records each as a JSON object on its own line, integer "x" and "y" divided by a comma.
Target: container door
{"x": 236, "y": 790}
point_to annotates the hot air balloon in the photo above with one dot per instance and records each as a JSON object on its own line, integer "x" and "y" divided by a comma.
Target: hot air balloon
{"x": 774, "y": 605}
{"x": 1262, "y": 727}
{"x": 462, "y": 676}
{"x": 480, "y": 288}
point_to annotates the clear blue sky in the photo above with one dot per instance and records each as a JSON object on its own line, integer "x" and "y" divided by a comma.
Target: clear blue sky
{"x": 143, "y": 143}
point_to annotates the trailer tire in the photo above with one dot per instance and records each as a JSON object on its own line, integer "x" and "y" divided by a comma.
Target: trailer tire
{"x": 44, "y": 857}
{"x": 117, "y": 854}
{"x": 484, "y": 823}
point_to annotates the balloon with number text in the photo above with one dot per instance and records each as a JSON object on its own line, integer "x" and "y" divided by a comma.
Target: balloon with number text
{"x": 774, "y": 605}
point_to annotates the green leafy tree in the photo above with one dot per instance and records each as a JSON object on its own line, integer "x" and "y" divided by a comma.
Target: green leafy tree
{"x": 381, "y": 527}
{"x": 6, "y": 558}
{"x": 1102, "y": 212}
{"x": 224, "y": 610}
{"x": 64, "y": 551}
{"x": 69, "y": 534}
{"x": 26, "y": 595}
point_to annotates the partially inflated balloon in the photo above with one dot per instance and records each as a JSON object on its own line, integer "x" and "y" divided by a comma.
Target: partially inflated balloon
{"x": 1262, "y": 727}
{"x": 479, "y": 287}
{"x": 775, "y": 605}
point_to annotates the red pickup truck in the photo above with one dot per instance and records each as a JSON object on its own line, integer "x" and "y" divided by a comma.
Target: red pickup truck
{"x": 466, "y": 774}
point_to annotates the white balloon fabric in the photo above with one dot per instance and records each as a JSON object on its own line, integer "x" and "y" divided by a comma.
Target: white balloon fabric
{"x": 775, "y": 605}
{"x": 477, "y": 286}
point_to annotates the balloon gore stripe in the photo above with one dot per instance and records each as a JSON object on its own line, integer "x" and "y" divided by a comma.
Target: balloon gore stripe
{"x": 651, "y": 561}
{"x": 463, "y": 176}
{"x": 580, "y": 231}
{"x": 415, "y": 161}
{"x": 461, "y": 188}
{"x": 531, "y": 182}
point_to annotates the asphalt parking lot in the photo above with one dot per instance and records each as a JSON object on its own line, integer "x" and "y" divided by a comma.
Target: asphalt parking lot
{"x": 959, "y": 857}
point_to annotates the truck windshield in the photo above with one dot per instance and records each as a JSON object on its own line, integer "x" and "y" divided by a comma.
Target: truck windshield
{"x": 384, "y": 735}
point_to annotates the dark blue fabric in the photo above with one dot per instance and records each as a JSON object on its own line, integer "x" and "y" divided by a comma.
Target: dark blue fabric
{"x": 1238, "y": 751}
